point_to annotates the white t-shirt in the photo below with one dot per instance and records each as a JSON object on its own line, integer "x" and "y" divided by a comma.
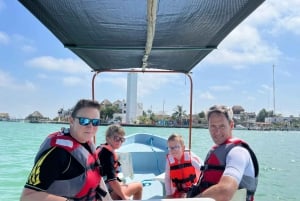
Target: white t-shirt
{"x": 239, "y": 163}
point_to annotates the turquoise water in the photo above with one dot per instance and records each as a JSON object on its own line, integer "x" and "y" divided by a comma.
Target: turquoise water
{"x": 277, "y": 152}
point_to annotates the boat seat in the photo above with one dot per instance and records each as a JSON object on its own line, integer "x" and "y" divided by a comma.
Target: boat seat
{"x": 104, "y": 187}
{"x": 240, "y": 195}
{"x": 160, "y": 178}
{"x": 125, "y": 159}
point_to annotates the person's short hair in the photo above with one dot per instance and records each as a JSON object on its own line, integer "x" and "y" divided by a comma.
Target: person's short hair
{"x": 85, "y": 103}
{"x": 222, "y": 109}
{"x": 176, "y": 137}
{"x": 113, "y": 130}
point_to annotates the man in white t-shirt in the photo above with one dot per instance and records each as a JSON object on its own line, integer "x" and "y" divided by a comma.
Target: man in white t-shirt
{"x": 230, "y": 164}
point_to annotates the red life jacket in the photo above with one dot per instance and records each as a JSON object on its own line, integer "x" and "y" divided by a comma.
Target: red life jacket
{"x": 182, "y": 172}
{"x": 82, "y": 187}
{"x": 215, "y": 163}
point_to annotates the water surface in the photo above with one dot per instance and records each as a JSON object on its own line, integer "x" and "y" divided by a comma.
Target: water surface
{"x": 277, "y": 152}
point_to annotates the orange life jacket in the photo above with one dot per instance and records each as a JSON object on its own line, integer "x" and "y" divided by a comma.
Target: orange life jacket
{"x": 116, "y": 158}
{"x": 182, "y": 172}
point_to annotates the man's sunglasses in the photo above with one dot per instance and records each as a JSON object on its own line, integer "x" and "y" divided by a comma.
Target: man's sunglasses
{"x": 83, "y": 121}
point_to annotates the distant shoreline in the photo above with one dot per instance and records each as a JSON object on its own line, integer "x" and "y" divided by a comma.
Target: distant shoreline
{"x": 200, "y": 126}
{"x": 139, "y": 125}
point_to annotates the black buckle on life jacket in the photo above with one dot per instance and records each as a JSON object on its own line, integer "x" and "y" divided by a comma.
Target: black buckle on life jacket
{"x": 212, "y": 167}
{"x": 180, "y": 182}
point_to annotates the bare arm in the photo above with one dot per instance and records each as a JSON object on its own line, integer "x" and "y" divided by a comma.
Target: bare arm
{"x": 117, "y": 188}
{"x": 223, "y": 191}
{"x": 32, "y": 195}
{"x": 168, "y": 183}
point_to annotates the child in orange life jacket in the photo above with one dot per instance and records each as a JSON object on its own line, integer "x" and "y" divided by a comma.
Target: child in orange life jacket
{"x": 182, "y": 168}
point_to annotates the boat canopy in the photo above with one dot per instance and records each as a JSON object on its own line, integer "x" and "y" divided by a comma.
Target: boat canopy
{"x": 128, "y": 34}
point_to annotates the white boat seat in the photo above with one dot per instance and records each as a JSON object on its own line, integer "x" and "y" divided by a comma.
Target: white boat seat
{"x": 104, "y": 187}
{"x": 160, "y": 178}
{"x": 125, "y": 159}
{"x": 240, "y": 195}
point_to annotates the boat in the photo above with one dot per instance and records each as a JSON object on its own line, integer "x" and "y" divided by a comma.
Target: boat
{"x": 143, "y": 157}
{"x": 139, "y": 36}
{"x": 240, "y": 127}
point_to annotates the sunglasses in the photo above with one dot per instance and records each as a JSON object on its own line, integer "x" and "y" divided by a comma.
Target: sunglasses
{"x": 83, "y": 121}
{"x": 220, "y": 108}
{"x": 176, "y": 147}
{"x": 119, "y": 139}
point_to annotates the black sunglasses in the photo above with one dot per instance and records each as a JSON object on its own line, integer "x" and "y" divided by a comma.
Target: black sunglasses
{"x": 83, "y": 121}
{"x": 119, "y": 139}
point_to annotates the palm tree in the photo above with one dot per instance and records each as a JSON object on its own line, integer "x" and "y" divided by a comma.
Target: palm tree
{"x": 179, "y": 113}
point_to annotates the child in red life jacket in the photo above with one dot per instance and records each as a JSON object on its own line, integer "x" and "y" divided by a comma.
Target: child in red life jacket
{"x": 182, "y": 168}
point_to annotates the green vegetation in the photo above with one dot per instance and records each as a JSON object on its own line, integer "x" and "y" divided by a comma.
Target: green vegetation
{"x": 108, "y": 112}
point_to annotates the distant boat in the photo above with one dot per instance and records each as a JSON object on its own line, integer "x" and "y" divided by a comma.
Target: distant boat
{"x": 240, "y": 127}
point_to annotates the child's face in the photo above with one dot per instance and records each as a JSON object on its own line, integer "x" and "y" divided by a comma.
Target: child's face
{"x": 175, "y": 149}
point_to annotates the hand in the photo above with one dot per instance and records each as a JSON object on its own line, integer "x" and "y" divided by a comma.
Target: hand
{"x": 183, "y": 195}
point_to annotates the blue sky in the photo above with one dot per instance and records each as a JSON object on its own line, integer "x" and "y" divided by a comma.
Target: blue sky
{"x": 38, "y": 74}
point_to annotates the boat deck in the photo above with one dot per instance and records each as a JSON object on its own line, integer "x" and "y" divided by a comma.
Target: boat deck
{"x": 152, "y": 188}
{"x": 147, "y": 153}
{"x": 143, "y": 159}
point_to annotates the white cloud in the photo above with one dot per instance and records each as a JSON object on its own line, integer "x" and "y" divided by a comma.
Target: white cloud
{"x": 251, "y": 98}
{"x": 26, "y": 45}
{"x": 8, "y": 82}
{"x": 282, "y": 16}
{"x": 28, "y": 48}
{"x": 292, "y": 24}
{"x": 2, "y": 5}
{"x": 261, "y": 91}
{"x": 5, "y": 79}
{"x": 266, "y": 87}
{"x": 115, "y": 79}
{"x": 251, "y": 43}
{"x": 148, "y": 83}
{"x": 72, "y": 81}
{"x": 207, "y": 95}
{"x": 17, "y": 40}
{"x": 29, "y": 85}
{"x": 4, "y": 38}
{"x": 220, "y": 88}
{"x": 285, "y": 73}
{"x": 244, "y": 46}
{"x": 68, "y": 65}
{"x": 42, "y": 76}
